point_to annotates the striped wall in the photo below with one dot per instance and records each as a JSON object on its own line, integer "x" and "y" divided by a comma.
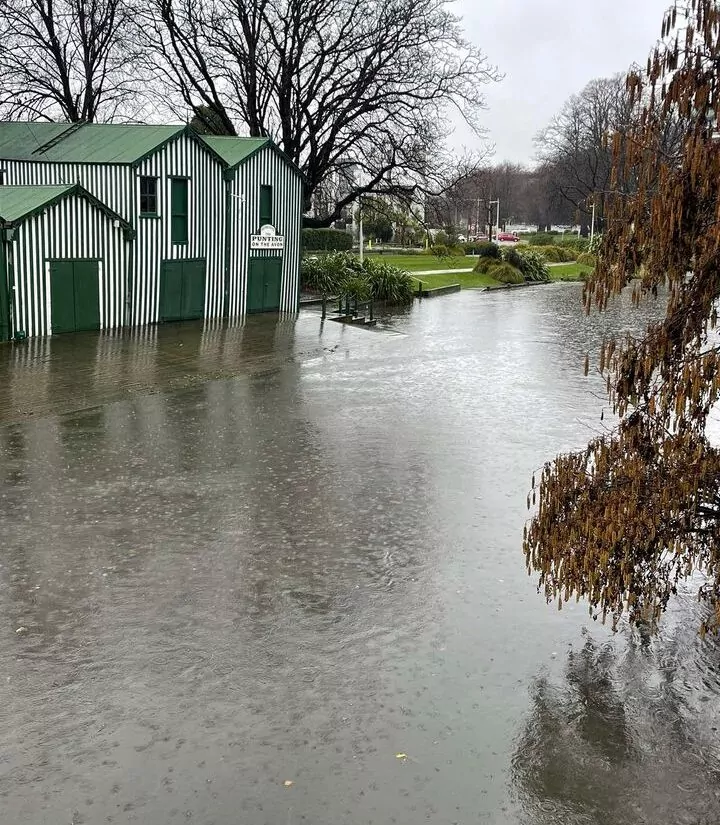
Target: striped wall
{"x": 109, "y": 183}
{"x": 208, "y": 195}
{"x": 265, "y": 167}
{"x": 206, "y": 226}
{"x": 72, "y": 228}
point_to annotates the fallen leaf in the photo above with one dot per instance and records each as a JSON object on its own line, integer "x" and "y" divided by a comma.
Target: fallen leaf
{"x": 400, "y": 756}
{"x": 288, "y": 783}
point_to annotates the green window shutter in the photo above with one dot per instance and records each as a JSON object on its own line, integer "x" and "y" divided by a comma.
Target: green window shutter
{"x": 266, "y": 204}
{"x": 179, "y": 210}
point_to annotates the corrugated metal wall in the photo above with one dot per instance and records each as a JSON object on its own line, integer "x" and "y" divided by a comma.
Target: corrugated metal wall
{"x": 117, "y": 186}
{"x": 110, "y": 184}
{"x": 266, "y": 167}
{"x": 206, "y": 226}
{"x": 72, "y": 228}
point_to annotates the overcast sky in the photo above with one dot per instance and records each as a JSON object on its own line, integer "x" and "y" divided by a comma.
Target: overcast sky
{"x": 548, "y": 50}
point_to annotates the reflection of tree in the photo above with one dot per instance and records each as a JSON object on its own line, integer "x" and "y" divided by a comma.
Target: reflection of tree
{"x": 620, "y": 739}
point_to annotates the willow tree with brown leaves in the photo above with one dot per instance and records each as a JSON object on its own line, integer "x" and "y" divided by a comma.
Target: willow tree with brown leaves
{"x": 625, "y": 521}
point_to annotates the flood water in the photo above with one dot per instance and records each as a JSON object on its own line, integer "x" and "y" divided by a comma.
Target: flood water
{"x": 273, "y": 575}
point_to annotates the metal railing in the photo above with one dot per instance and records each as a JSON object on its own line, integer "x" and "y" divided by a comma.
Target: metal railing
{"x": 350, "y": 307}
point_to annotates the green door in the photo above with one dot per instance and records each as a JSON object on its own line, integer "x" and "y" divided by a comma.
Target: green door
{"x": 256, "y": 285}
{"x": 263, "y": 286}
{"x": 74, "y": 296}
{"x": 87, "y": 295}
{"x": 171, "y": 304}
{"x": 182, "y": 290}
{"x": 273, "y": 276}
{"x": 193, "y": 289}
{"x": 4, "y": 292}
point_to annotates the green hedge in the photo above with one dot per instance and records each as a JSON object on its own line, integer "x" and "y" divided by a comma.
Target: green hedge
{"x": 326, "y": 240}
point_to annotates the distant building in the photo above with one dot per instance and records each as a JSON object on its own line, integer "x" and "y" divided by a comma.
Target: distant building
{"x": 103, "y": 226}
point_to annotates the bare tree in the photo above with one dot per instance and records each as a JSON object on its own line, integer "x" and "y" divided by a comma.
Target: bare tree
{"x": 576, "y": 146}
{"x": 356, "y": 92}
{"x": 64, "y": 59}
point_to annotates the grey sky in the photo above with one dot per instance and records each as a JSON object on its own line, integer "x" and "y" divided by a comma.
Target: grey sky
{"x": 549, "y": 49}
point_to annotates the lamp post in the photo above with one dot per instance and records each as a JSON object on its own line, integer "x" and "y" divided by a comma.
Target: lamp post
{"x": 493, "y": 203}
{"x": 592, "y": 223}
{"x": 360, "y": 228}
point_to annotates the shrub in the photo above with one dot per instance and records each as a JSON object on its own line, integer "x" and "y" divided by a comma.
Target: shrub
{"x": 587, "y": 259}
{"x": 326, "y": 240}
{"x": 357, "y": 286}
{"x": 388, "y": 283}
{"x": 487, "y": 249}
{"x": 484, "y": 265}
{"x": 532, "y": 264}
{"x": 542, "y": 238}
{"x": 340, "y": 273}
{"x": 507, "y": 274}
{"x": 555, "y": 254}
{"x": 440, "y": 250}
{"x": 512, "y": 256}
{"x": 328, "y": 273}
{"x": 573, "y": 242}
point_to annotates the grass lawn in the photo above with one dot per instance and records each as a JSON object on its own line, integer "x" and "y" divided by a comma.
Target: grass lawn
{"x": 420, "y": 263}
{"x": 467, "y": 280}
{"x": 568, "y": 272}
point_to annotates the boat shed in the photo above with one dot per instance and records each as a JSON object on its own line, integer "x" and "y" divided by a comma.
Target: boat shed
{"x": 205, "y": 227}
{"x": 57, "y": 280}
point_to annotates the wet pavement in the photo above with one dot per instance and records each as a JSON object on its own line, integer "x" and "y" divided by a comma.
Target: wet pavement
{"x": 290, "y": 552}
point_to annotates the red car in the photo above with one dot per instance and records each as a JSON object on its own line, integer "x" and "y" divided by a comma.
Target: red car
{"x": 507, "y": 236}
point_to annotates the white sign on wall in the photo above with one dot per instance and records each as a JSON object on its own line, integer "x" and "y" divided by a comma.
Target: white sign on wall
{"x": 267, "y": 239}
{"x": 267, "y": 242}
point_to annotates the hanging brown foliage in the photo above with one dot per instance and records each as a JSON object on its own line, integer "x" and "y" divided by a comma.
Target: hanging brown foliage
{"x": 623, "y": 522}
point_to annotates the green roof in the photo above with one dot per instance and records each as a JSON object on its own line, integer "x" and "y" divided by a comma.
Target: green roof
{"x": 234, "y": 150}
{"x": 19, "y": 140}
{"x": 82, "y": 142}
{"x": 107, "y": 143}
{"x": 18, "y": 201}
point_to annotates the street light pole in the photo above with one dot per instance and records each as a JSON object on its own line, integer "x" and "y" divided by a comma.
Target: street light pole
{"x": 360, "y": 229}
{"x": 592, "y": 224}
{"x": 491, "y": 204}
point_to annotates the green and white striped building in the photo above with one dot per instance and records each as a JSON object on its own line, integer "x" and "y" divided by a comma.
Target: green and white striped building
{"x": 165, "y": 224}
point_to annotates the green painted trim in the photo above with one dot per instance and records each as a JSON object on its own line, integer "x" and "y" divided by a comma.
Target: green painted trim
{"x": 79, "y": 190}
{"x": 102, "y": 207}
{"x": 228, "y": 218}
{"x": 278, "y": 151}
{"x": 130, "y": 257}
{"x": 157, "y": 147}
{"x": 4, "y": 291}
{"x": 187, "y": 131}
{"x": 150, "y": 215}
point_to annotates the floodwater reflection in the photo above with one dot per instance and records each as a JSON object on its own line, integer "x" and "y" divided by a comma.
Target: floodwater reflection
{"x": 289, "y": 551}
{"x": 628, "y": 733}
